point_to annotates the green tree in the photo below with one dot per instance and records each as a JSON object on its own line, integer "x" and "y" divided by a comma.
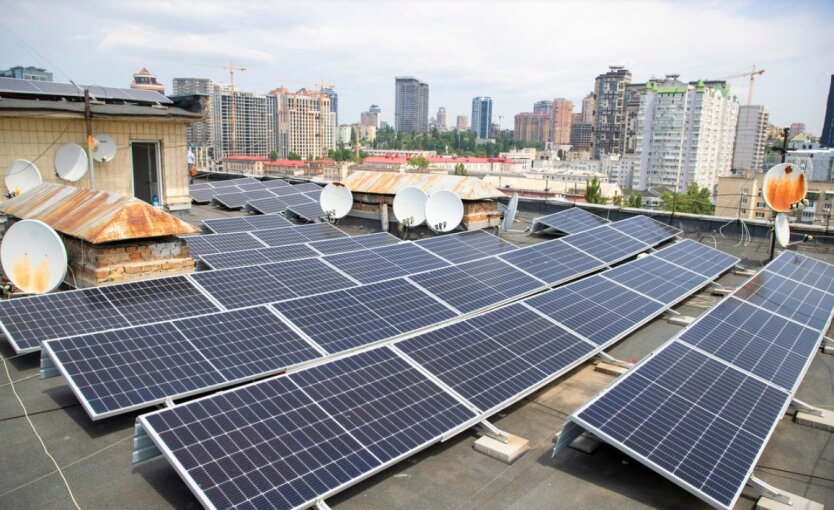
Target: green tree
{"x": 695, "y": 201}
{"x": 420, "y": 162}
{"x": 593, "y": 192}
{"x": 460, "y": 169}
{"x": 273, "y": 155}
{"x": 635, "y": 200}
{"x": 293, "y": 157}
{"x": 617, "y": 200}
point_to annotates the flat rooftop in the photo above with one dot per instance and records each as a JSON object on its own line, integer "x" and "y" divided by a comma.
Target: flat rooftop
{"x": 96, "y": 456}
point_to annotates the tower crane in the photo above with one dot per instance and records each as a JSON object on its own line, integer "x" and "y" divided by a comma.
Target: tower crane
{"x": 752, "y": 75}
{"x": 231, "y": 68}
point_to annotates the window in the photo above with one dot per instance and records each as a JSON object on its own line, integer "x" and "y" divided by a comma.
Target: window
{"x": 760, "y": 204}
{"x": 744, "y": 211}
{"x": 760, "y": 215}
{"x": 744, "y": 200}
{"x": 826, "y": 207}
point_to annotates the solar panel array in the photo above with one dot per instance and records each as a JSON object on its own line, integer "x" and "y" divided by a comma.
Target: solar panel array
{"x": 466, "y": 246}
{"x": 375, "y": 405}
{"x": 237, "y": 193}
{"x": 385, "y": 263}
{"x": 41, "y": 88}
{"x": 244, "y": 224}
{"x": 310, "y": 211}
{"x": 569, "y": 221}
{"x": 721, "y": 386}
{"x": 221, "y": 243}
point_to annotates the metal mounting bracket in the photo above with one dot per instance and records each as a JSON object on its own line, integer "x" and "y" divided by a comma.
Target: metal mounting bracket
{"x": 768, "y": 490}
{"x": 488, "y": 429}
{"x": 806, "y": 408}
{"x": 613, "y": 361}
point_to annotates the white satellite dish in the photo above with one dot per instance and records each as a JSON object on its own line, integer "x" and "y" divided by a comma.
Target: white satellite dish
{"x": 509, "y": 215}
{"x": 782, "y": 229}
{"x": 336, "y": 200}
{"x": 33, "y": 256}
{"x": 71, "y": 162}
{"x": 21, "y": 176}
{"x": 444, "y": 211}
{"x": 410, "y": 206}
{"x": 104, "y": 148}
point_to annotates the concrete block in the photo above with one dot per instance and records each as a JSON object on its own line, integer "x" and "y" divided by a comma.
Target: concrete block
{"x": 721, "y": 291}
{"x": 585, "y": 444}
{"x": 609, "y": 369}
{"x": 824, "y": 422}
{"x": 797, "y": 503}
{"x": 680, "y": 320}
{"x": 828, "y": 349}
{"x": 507, "y": 452}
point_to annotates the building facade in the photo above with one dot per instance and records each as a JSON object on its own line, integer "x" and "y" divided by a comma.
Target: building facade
{"x": 199, "y": 133}
{"x": 334, "y": 103}
{"x": 562, "y": 119}
{"x": 827, "y": 138}
{"x": 441, "y": 119}
{"x": 462, "y": 123}
{"x": 482, "y": 116}
{"x": 609, "y": 111}
{"x": 411, "y": 113}
{"x": 304, "y": 122}
{"x": 581, "y": 136}
{"x": 144, "y": 80}
{"x": 371, "y": 117}
{"x": 588, "y": 109}
{"x": 685, "y": 134}
{"x": 751, "y": 139}
{"x": 543, "y": 106}
{"x": 532, "y": 127}
{"x": 818, "y": 164}
{"x": 797, "y": 128}
{"x": 26, "y": 73}
{"x": 243, "y": 123}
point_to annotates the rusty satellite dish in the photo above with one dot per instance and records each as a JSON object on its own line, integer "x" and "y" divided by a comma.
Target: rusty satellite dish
{"x": 336, "y": 200}
{"x": 444, "y": 211}
{"x": 21, "y": 176}
{"x": 784, "y": 188}
{"x": 33, "y": 256}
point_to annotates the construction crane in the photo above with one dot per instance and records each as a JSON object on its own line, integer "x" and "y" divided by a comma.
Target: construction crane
{"x": 231, "y": 68}
{"x": 752, "y": 75}
{"x": 321, "y": 85}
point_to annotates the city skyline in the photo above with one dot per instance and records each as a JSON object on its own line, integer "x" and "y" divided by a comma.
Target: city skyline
{"x": 283, "y": 44}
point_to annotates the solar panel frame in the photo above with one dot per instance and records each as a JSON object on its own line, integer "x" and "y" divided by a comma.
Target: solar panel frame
{"x": 466, "y": 246}
{"x": 788, "y": 298}
{"x": 569, "y": 221}
{"x": 245, "y": 223}
{"x": 275, "y": 183}
{"x": 354, "y": 243}
{"x": 310, "y": 211}
{"x": 221, "y": 243}
{"x": 266, "y": 206}
{"x": 553, "y": 261}
{"x": 163, "y": 299}
{"x": 803, "y": 269}
{"x": 645, "y": 229}
{"x": 657, "y": 279}
{"x": 607, "y": 244}
{"x": 696, "y": 257}
{"x": 237, "y": 200}
{"x": 259, "y": 256}
{"x": 385, "y": 263}
{"x": 296, "y": 189}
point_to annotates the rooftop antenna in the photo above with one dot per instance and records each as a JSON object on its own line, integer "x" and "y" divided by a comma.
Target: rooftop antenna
{"x": 410, "y": 208}
{"x": 444, "y": 211}
{"x": 33, "y": 257}
{"x": 71, "y": 162}
{"x": 784, "y": 188}
{"x": 509, "y": 214}
{"x": 104, "y": 148}
{"x": 336, "y": 201}
{"x": 21, "y": 176}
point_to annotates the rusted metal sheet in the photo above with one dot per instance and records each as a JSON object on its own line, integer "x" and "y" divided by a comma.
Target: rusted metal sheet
{"x": 94, "y": 216}
{"x": 389, "y": 183}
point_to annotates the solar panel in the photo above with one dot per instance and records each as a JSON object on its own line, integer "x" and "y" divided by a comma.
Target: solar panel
{"x": 269, "y": 205}
{"x": 28, "y": 321}
{"x": 646, "y": 229}
{"x": 596, "y": 308}
{"x": 259, "y": 256}
{"x": 252, "y": 186}
{"x": 156, "y": 300}
{"x": 221, "y": 243}
{"x": 755, "y": 340}
{"x": 359, "y": 316}
{"x": 320, "y": 232}
{"x": 311, "y": 211}
{"x": 299, "y": 199}
{"x": 245, "y": 224}
{"x": 553, "y": 261}
{"x": 789, "y": 299}
{"x": 274, "y": 183}
{"x": 280, "y": 236}
{"x": 680, "y": 397}
{"x": 18, "y": 85}
{"x": 657, "y": 279}
{"x": 354, "y": 243}
{"x": 295, "y": 189}
{"x": 287, "y": 441}
{"x": 386, "y": 262}
{"x": 202, "y": 196}
{"x": 570, "y": 221}
{"x": 239, "y": 199}
{"x": 199, "y": 186}
{"x": 466, "y": 246}
{"x": 606, "y": 244}
{"x": 697, "y": 257}
{"x": 805, "y": 270}
{"x": 478, "y": 284}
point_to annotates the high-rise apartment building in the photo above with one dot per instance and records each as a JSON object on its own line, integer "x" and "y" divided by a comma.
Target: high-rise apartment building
{"x": 371, "y": 117}
{"x": 441, "y": 119}
{"x": 334, "y": 102}
{"x": 26, "y": 73}
{"x": 751, "y": 139}
{"x": 411, "y": 113}
{"x": 631, "y": 102}
{"x": 306, "y": 123}
{"x": 247, "y": 129}
{"x": 533, "y": 127}
{"x": 190, "y": 86}
{"x": 685, "y": 134}
{"x": 562, "y": 119}
{"x": 462, "y": 123}
{"x": 482, "y": 116}
{"x": 144, "y": 80}
{"x": 609, "y": 111}
{"x": 797, "y": 128}
{"x": 581, "y": 136}
{"x": 827, "y": 138}
{"x": 588, "y": 109}
{"x": 543, "y": 106}
{"x": 198, "y": 133}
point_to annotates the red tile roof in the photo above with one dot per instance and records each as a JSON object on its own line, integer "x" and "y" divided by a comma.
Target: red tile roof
{"x": 247, "y": 158}
{"x": 285, "y": 162}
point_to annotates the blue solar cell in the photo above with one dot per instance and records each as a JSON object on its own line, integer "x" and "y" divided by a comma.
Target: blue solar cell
{"x": 646, "y": 229}
{"x": 359, "y": 316}
{"x": 239, "y": 199}
{"x": 202, "y": 196}
{"x": 553, "y": 261}
{"x": 267, "y": 206}
{"x": 295, "y": 189}
{"x": 251, "y": 186}
{"x": 245, "y": 224}
{"x": 569, "y": 221}
{"x": 264, "y": 222}
{"x": 697, "y": 257}
{"x": 606, "y": 244}
{"x": 280, "y": 236}
{"x": 160, "y": 299}
{"x": 274, "y": 183}
{"x": 221, "y": 243}
{"x": 386, "y": 262}
{"x": 355, "y": 243}
{"x": 495, "y": 357}
{"x": 310, "y": 211}
{"x": 320, "y": 232}
{"x": 259, "y": 256}
{"x": 299, "y": 199}
{"x": 466, "y": 246}
{"x": 596, "y": 308}
{"x": 657, "y": 279}
{"x": 755, "y": 340}
{"x": 788, "y": 298}
{"x": 474, "y": 285}
{"x": 805, "y": 270}
{"x": 681, "y": 397}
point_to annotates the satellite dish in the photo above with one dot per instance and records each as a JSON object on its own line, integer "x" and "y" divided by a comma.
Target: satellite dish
{"x": 410, "y": 206}
{"x": 33, "y": 256}
{"x": 782, "y": 229}
{"x": 509, "y": 215}
{"x": 71, "y": 162}
{"x": 444, "y": 211}
{"x": 784, "y": 187}
{"x": 21, "y": 176}
{"x": 336, "y": 200}
{"x": 104, "y": 149}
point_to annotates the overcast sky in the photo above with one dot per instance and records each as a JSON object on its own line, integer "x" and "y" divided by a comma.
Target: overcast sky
{"x": 515, "y": 52}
